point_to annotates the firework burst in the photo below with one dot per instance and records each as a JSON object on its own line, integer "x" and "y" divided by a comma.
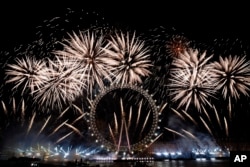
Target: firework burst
{"x": 65, "y": 82}
{"x": 88, "y": 48}
{"x": 131, "y": 59}
{"x": 27, "y": 74}
{"x": 190, "y": 80}
{"x": 177, "y": 45}
{"x": 232, "y": 76}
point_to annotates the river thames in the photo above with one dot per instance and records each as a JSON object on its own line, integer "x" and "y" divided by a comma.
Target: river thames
{"x": 171, "y": 163}
{"x": 167, "y": 163}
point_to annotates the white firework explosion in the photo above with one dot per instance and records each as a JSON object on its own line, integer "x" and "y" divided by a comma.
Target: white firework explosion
{"x": 66, "y": 82}
{"x": 232, "y": 74}
{"x": 88, "y": 47}
{"x": 190, "y": 80}
{"x": 131, "y": 58}
{"x": 27, "y": 74}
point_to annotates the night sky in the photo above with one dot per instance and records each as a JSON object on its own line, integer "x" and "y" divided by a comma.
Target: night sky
{"x": 202, "y": 23}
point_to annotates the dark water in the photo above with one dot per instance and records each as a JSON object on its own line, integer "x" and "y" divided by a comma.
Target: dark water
{"x": 172, "y": 163}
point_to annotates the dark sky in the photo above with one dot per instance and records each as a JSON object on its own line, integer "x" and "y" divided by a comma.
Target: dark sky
{"x": 200, "y": 20}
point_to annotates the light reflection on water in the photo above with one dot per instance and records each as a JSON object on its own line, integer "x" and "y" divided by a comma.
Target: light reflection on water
{"x": 172, "y": 163}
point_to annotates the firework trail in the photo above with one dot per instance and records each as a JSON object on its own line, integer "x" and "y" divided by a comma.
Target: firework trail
{"x": 15, "y": 112}
{"x": 144, "y": 124}
{"x": 31, "y": 122}
{"x": 78, "y": 118}
{"x": 63, "y": 113}
{"x": 4, "y": 108}
{"x": 155, "y": 140}
{"x": 58, "y": 127}
{"x": 63, "y": 137}
{"x": 163, "y": 107}
{"x": 217, "y": 116}
{"x": 116, "y": 123}
{"x": 178, "y": 113}
{"x": 14, "y": 106}
{"x": 175, "y": 132}
{"x": 78, "y": 109}
{"x": 139, "y": 113}
{"x": 205, "y": 124}
{"x": 190, "y": 80}
{"x": 211, "y": 122}
{"x": 130, "y": 116}
{"x": 190, "y": 117}
{"x": 44, "y": 125}
{"x": 226, "y": 126}
{"x": 74, "y": 128}
{"x": 131, "y": 59}
{"x": 232, "y": 76}
{"x": 112, "y": 134}
{"x": 32, "y": 126}
{"x": 190, "y": 134}
{"x": 123, "y": 123}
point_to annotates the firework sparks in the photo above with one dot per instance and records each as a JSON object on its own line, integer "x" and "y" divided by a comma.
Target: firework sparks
{"x": 217, "y": 116}
{"x": 58, "y": 127}
{"x": 190, "y": 117}
{"x": 177, "y": 45}
{"x": 63, "y": 113}
{"x": 232, "y": 76}
{"x": 226, "y": 126}
{"x": 139, "y": 113}
{"x": 190, "y": 80}
{"x": 207, "y": 127}
{"x": 88, "y": 48}
{"x": 178, "y": 113}
{"x": 78, "y": 109}
{"x": 27, "y": 73}
{"x": 78, "y": 118}
{"x": 175, "y": 132}
{"x": 144, "y": 124}
{"x": 4, "y": 108}
{"x": 130, "y": 116}
{"x": 31, "y": 122}
{"x": 63, "y": 137}
{"x": 74, "y": 128}
{"x": 190, "y": 134}
{"x": 64, "y": 83}
{"x": 112, "y": 134}
{"x": 130, "y": 58}
{"x": 116, "y": 123}
{"x": 44, "y": 125}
